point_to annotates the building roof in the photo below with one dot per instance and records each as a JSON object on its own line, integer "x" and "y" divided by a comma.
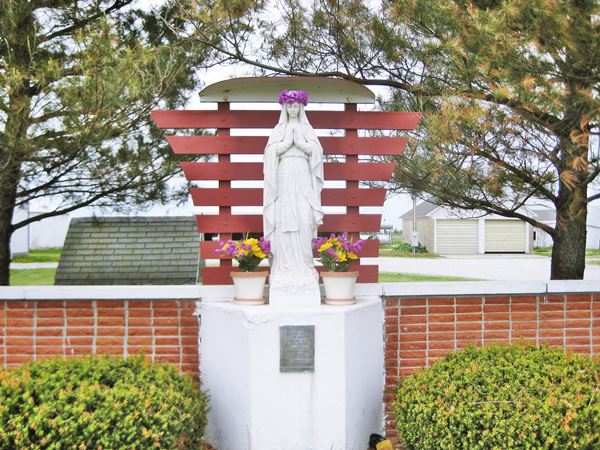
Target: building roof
{"x": 545, "y": 215}
{"x": 423, "y": 209}
{"x": 267, "y": 89}
{"x": 130, "y": 250}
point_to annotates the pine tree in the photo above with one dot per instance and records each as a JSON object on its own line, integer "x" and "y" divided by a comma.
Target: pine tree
{"x": 78, "y": 80}
{"x": 510, "y": 92}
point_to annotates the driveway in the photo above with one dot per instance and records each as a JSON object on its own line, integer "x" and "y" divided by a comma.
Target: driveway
{"x": 47, "y": 265}
{"x": 485, "y": 267}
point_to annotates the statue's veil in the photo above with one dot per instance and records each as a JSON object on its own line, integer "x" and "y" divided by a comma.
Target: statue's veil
{"x": 270, "y": 170}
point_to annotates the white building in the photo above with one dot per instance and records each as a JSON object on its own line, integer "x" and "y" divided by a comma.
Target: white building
{"x": 459, "y": 232}
{"x": 19, "y": 241}
{"x": 548, "y": 216}
{"x": 50, "y": 232}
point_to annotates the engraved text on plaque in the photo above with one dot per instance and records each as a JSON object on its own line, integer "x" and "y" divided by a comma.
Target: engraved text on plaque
{"x": 297, "y": 348}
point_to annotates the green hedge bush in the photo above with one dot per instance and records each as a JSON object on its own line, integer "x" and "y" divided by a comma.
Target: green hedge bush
{"x": 503, "y": 398}
{"x": 100, "y": 403}
{"x": 406, "y": 247}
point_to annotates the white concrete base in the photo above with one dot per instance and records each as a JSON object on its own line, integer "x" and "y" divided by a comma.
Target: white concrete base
{"x": 309, "y": 296}
{"x": 255, "y": 406}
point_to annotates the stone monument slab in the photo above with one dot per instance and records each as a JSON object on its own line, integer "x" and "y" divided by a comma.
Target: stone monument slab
{"x": 297, "y": 348}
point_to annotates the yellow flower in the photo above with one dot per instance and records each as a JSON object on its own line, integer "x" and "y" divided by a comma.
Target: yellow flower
{"x": 352, "y": 255}
{"x": 341, "y": 256}
{"x": 257, "y": 251}
{"x": 325, "y": 246}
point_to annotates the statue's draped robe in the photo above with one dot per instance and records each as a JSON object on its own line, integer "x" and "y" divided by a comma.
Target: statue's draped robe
{"x": 292, "y": 205}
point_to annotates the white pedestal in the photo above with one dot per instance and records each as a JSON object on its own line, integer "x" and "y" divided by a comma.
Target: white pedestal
{"x": 297, "y": 289}
{"x": 285, "y": 297}
{"x": 255, "y": 406}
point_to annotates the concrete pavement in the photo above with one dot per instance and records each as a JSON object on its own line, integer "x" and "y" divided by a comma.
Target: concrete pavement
{"x": 484, "y": 267}
{"x": 48, "y": 265}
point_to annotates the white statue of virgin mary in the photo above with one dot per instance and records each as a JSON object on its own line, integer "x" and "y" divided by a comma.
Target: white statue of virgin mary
{"x": 293, "y": 179}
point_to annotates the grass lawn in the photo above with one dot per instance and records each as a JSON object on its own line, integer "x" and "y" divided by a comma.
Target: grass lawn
{"x": 401, "y": 253}
{"x": 403, "y": 250}
{"x": 31, "y": 277}
{"x": 39, "y": 255}
{"x": 543, "y": 251}
{"x": 387, "y": 277}
{"x": 547, "y": 251}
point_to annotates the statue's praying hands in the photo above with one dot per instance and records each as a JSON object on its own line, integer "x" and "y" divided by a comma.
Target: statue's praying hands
{"x": 294, "y": 144}
{"x": 287, "y": 142}
{"x": 301, "y": 142}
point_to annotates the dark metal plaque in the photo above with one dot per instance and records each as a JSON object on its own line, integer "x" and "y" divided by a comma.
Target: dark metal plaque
{"x": 297, "y": 348}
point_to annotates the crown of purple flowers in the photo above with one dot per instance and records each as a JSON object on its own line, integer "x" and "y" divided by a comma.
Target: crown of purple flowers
{"x": 293, "y": 97}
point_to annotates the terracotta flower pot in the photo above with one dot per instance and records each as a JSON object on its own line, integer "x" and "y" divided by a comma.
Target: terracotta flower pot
{"x": 339, "y": 287}
{"x": 249, "y": 287}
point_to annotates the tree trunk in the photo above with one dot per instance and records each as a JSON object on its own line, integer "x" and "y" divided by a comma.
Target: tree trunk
{"x": 5, "y": 234}
{"x": 11, "y": 158}
{"x": 570, "y": 233}
{"x": 10, "y": 175}
{"x": 9, "y": 182}
{"x": 568, "y": 253}
{"x": 15, "y": 146}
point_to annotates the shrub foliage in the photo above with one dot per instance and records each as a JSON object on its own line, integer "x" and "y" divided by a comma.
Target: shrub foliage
{"x": 99, "y": 403}
{"x": 502, "y": 397}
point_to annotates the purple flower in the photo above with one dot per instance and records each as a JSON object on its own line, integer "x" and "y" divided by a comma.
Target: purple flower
{"x": 231, "y": 249}
{"x": 357, "y": 246}
{"x": 331, "y": 252}
{"x": 346, "y": 245}
{"x": 317, "y": 242}
{"x": 290, "y": 96}
{"x": 265, "y": 245}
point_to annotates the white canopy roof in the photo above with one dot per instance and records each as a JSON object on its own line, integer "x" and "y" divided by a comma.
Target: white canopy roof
{"x": 267, "y": 89}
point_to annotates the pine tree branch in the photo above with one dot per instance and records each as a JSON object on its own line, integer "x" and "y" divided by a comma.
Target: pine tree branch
{"x": 28, "y": 193}
{"x": 547, "y": 120}
{"x": 58, "y": 212}
{"x": 594, "y": 197}
{"x": 522, "y": 174}
{"x": 128, "y": 185}
{"x": 80, "y": 23}
{"x": 592, "y": 176}
{"x": 50, "y": 115}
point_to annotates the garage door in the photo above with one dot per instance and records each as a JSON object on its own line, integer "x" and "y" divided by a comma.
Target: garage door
{"x": 457, "y": 237}
{"x": 504, "y": 236}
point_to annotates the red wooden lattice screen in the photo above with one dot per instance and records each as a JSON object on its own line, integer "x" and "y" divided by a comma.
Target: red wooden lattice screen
{"x": 224, "y": 171}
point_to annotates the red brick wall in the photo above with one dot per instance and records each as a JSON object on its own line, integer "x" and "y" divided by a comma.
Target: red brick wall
{"x": 163, "y": 330}
{"x": 419, "y": 331}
